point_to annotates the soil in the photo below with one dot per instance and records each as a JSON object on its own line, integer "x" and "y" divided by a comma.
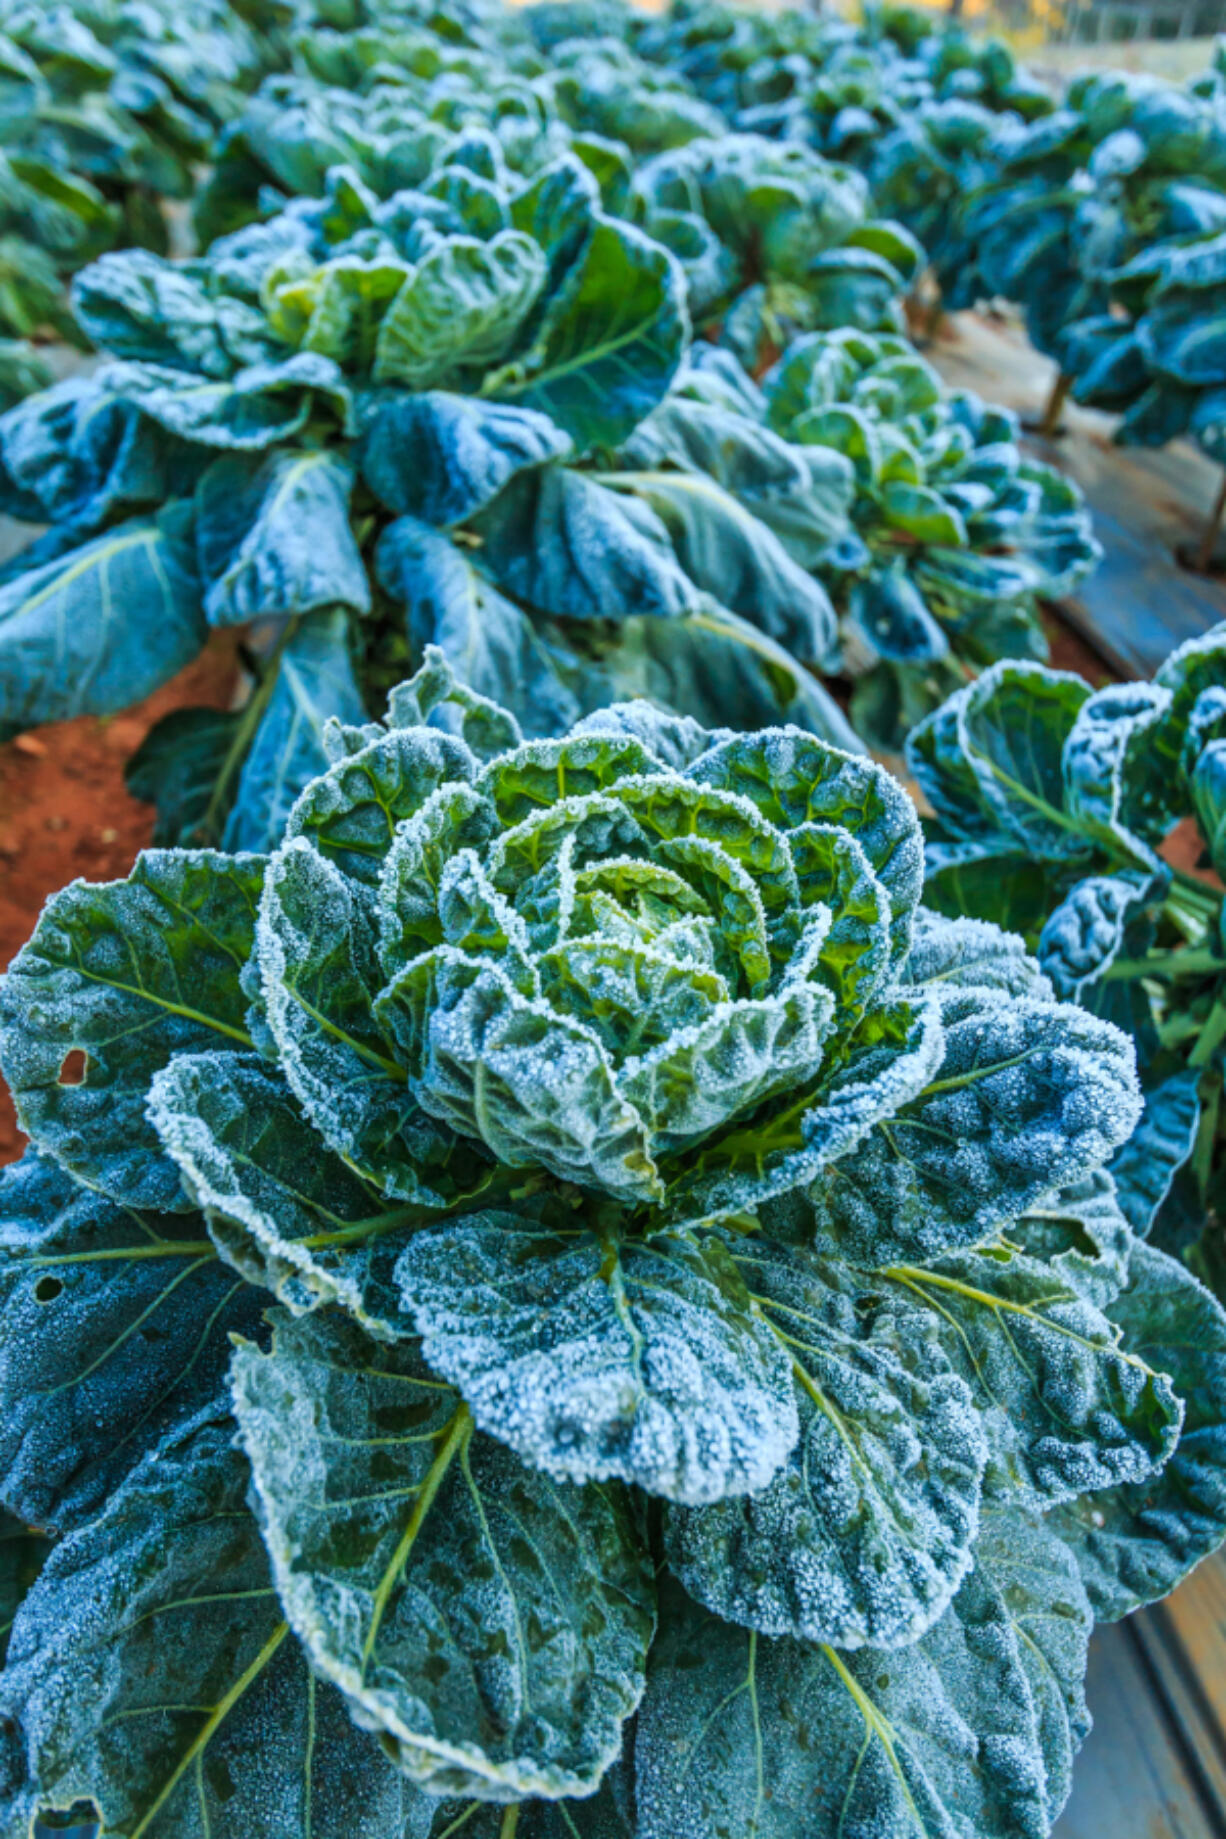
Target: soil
{"x": 65, "y": 811}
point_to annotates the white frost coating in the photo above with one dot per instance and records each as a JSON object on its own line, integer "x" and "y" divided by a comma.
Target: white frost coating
{"x": 596, "y": 1361}
{"x": 1083, "y": 935}
{"x": 972, "y": 952}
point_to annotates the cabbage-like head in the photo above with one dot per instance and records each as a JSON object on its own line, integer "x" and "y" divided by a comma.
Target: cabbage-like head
{"x": 597, "y": 956}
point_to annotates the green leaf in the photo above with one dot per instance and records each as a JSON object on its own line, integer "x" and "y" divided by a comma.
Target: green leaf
{"x": 442, "y": 458}
{"x": 491, "y": 644}
{"x": 313, "y": 685}
{"x": 639, "y": 1360}
{"x": 320, "y": 974}
{"x": 610, "y": 341}
{"x": 151, "y": 1672}
{"x": 1035, "y": 1578}
{"x": 117, "y": 978}
{"x": 866, "y": 1532}
{"x": 922, "y": 513}
{"x": 1067, "y": 1408}
{"x": 491, "y": 1625}
{"x": 744, "y": 1738}
{"x": 462, "y": 308}
{"x": 991, "y": 760}
{"x": 68, "y": 643}
{"x": 114, "y": 1328}
{"x": 283, "y": 1210}
{"x": 1146, "y": 1165}
{"x": 274, "y": 540}
{"x": 571, "y": 547}
{"x": 260, "y": 406}
{"x": 1134, "y": 1543}
{"x": 1030, "y": 1096}
{"x": 728, "y": 553}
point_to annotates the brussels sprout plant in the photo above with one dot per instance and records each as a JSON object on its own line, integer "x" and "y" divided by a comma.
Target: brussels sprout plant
{"x": 561, "y": 1301}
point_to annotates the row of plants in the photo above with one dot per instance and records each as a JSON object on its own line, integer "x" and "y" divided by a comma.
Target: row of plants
{"x": 571, "y": 1278}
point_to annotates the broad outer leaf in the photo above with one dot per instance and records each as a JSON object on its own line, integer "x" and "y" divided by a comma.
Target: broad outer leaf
{"x": 99, "y": 627}
{"x": 492, "y": 1625}
{"x": 442, "y": 458}
{"x": 274, "y": 537}
{"x": 284, "y": 1210}
{"x": 151, "y": 1671}
{"x": 114, "y": 1328}
{"x": 1067, "y": 1408}
{"x": 610, "y": 342}
{"x": 314, "y": 684}
{"x": 118, "y": 977}
{"x": 866, "y": 1532}
{"x": 1035, "y": 1577}
{"x": 638, "y": 1360}
{"x": 1031, "y": 1096}
{"x": 744, "y": 1738}
{"x": 1146, "y": 1165}
{"x": 1134, "y": 1543}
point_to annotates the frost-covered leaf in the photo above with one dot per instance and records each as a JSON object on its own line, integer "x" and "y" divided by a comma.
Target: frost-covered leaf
{"x": 314, "y": 685}
{"x": 462, "y": 308}
{"x": 151, "y": 1672}
{"x": 273, "y": 537}
{"x": 571, "y": 547}
{"x": 1145, "y": 1166}
{"x": 638, "y": 1360}
{"x": 866, "y": 1532}
{"x": 1035, "y": 1577}
{"x": 287, "y": 1213}
{"x": 744, "y": 1738}
{"x": 320, "y": 974}
{"x": 114, "y": 1327}
{"x": 490, "y": 1624}
{"x": 117, "y": 978}
{"x": 257, "y": 408}
{"x": 1135, "y": 1542}
{"x": 491, "y": 644}
{"x": 991, "y": 759}
{"x": 728, "y": 553}
{"x": 610, "y": 341}
{"x": 802, "y": 494}
{"x": 69, "y": 644}
{"x": 1083, "y": 935}
{"x": 1067, "y": 1408}
{"x": 442, "y": 458}
{"x": 972, "y": 952}
{"x": 1030, "y": 1096}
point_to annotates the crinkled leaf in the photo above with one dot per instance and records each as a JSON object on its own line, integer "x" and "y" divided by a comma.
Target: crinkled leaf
{"x": 630, "y": 1361}
{"x": 610, "y": 341}
{"x": 117, "y": 978}
{"x": 151, "y": 1672}
{"x": 114, "y": 1328}
{"x": 490, "y": 1624}
{"x": 1067, "y": 1408}
{"x": 1030, "y": 1096}
{"x": 442, "y": 458}
{"x": 743, "y": 1738}
{"x": 273, "y": 537}
{"x": 1134, "y": 1543}
{"x": 1145, "y": 1166}
{"x": 866, "y": 1532}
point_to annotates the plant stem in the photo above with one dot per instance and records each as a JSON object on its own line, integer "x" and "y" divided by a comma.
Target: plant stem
{"x": 1049, "y": 424}
{"x": 1191, "y": 961}
{"x": 1208, "y": 541}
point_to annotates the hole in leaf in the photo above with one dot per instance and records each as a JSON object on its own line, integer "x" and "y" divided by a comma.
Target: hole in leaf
{"x": 73, "y": 1067}
{"x": 47, "y": 1289}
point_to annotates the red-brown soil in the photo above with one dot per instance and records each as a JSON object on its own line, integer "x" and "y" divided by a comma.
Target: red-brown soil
{"x": 64, "y": 810}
